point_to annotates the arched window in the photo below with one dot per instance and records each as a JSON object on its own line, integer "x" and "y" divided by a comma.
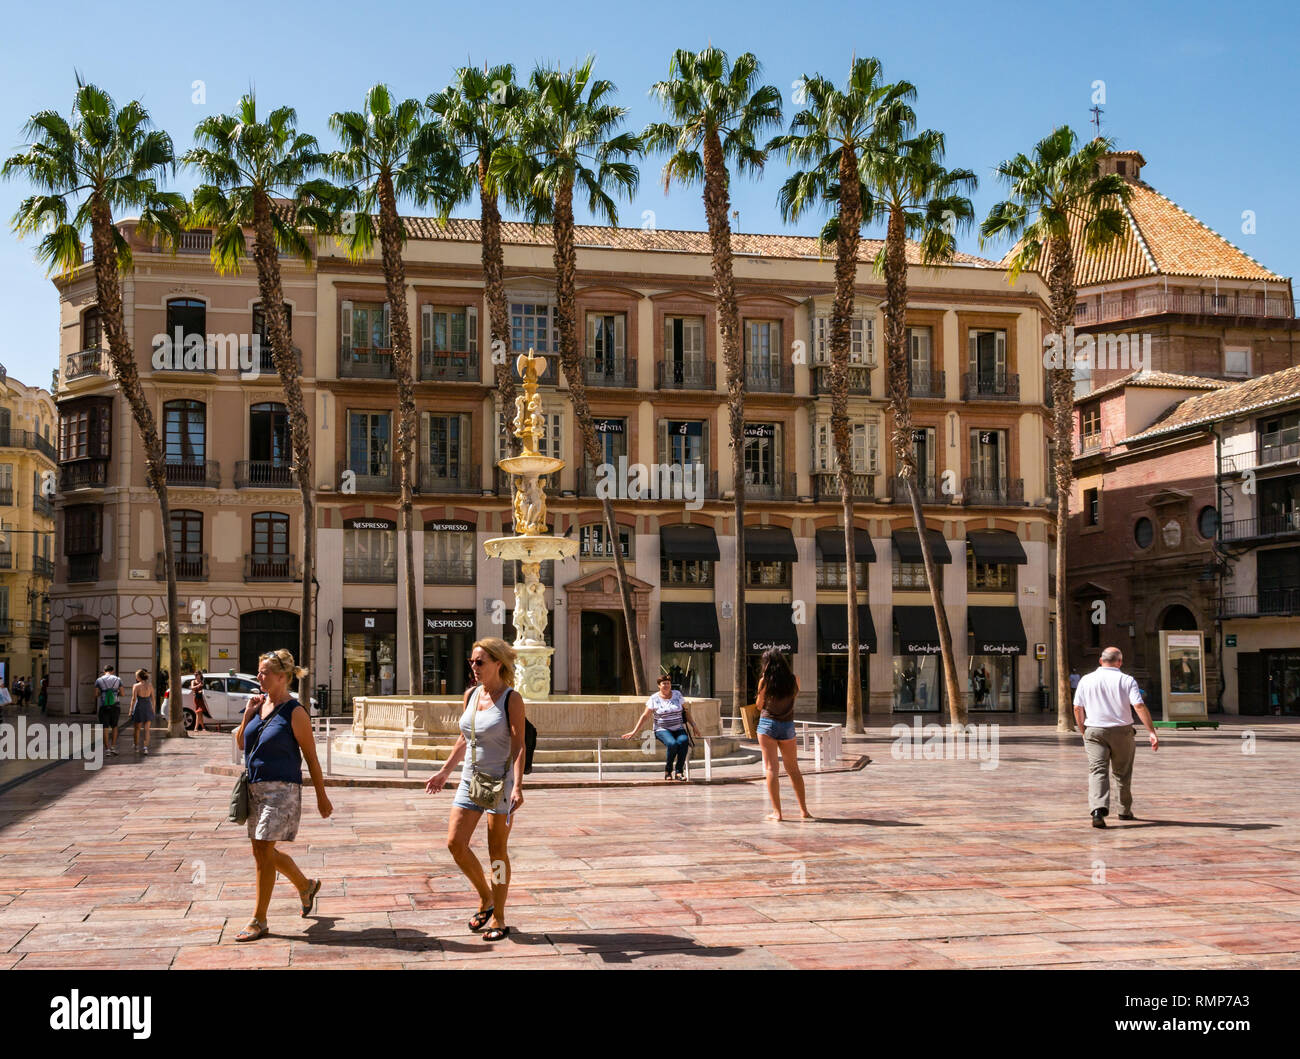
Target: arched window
{"x": 185, "y": 432}
{"x": 189, "y": 314}
{"x": 268, "y": 433}
{"x": 91, "y": 329}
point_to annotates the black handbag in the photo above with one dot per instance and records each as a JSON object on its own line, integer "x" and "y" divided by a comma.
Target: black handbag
{"x": 238, "y": 812}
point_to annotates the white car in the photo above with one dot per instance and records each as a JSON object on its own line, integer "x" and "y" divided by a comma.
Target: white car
{"x": 225, "y": 697}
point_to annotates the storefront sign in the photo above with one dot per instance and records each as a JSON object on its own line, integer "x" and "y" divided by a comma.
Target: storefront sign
{"x": 608, "y": 426}
{"x": 691, "y": 645}
{"x": 369, "y": 623}
{"x": 369, "y": 524}
{"x": 786, "y": 646}
{"x": 449, "y": 621}
{"x": 842, "y": 647}
{"x": 78, "y": 626}
{"x": 690, "y": 428}
{"x": 448, "y": 526}
{"x": 998, "y": 649}
{"x": 760, "y": 430}
{"x": 988, "y": 437}
{"x": 922, "y": 648}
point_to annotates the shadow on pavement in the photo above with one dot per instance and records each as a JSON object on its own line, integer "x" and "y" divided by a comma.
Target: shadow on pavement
{"x": 1130, "y": 825}
{"x": 624, "y": 948}
{"x": 863, "y": 820}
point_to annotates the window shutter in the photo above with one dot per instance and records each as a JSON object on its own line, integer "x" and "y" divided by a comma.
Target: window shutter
{"x": 501, "y": 435}
{"x": 778, "y": 454}
{"x": 593, "y": 322}
{"x": 669, "y": 353}
{"x": 464, "y": 444}
{"x": 664, "y": 451}
{"x": 973, "y": 343}
{"x": 873, "y": 448}
{"x": 1001, "y": 352}
{"x": 426, "y": 328}
{"x": 1001, "y": 435}
{"x": 345, "y": 342}
{"x": 422, "y": 447}
{"x": 859, "y": 448}
{"x": 819, "y": 340}
{"x": 975, "y": 453}
{"x": 620, "y": 331}
{"x": 471, "y": 328}
{"x": 704, "y": 448}
{"x": 821, "y": 462}
{"x": 776, "y": 350}
{"x": 385, "y": 331}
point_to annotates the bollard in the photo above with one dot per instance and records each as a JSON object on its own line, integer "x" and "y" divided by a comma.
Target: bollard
{"x": 600, "y": 765}
{"x": 406, "y": 736}
{"x": 708, "y": 760}
{"x": 817, "y": 751}
{"x": 329, "y": 749}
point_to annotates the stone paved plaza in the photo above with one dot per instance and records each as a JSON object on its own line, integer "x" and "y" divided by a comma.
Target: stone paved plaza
{"x": 911, "y": 864}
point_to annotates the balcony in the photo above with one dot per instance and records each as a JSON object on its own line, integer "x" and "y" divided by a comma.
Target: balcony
{"x": 7, "y": 496}
{"x": 927, "y": 384}
{"x": 466, "y": 482}
{"x": 1277, "y": 447}
{"x": 270, "y": 567}
{"x": 685, "y": 375}
{"x": 780, "y": 487}
{"x": 1278, "y": 525}
{"x": 1092, "y": 444}
{"x": 778, "y": 379}
{"x": 264, "y": 474}
{"x": 826, "y": 485}
{"x": 1153, "y": 303}
{"x": 993, "y": 491}
{"x": 25, "y": 439}
{"x": 990, "y": 386}
{"x": 620, "y": 376}
{"x": 6, "y": 625}
{"x": 38, "y": 629}
{"x": 368, "y": 363}
{"x": 42, "y": 506}
{"x": 264, "y": 360}
{"x": 836, "y": 575}
{"x": 370, "y": 569}
{"x": 199, "y": 242}
{"x": 375, "y": 483}
{"x": 927, "y": 487}
{"x": 84, "y": 363}
{"x": 83, "y": 568}
{"x": 859, "y": 379}
{"x": 449, "y": 572}
{"x": 1266, "y": 603}
{"x": 194, "y": 472}
{"x": 190, "y": 566}
{"x": 449, "y": 367}
{"x": 83, "y": 474}
{"x": 7, "y": 561}
{"x": 42, "y": 566}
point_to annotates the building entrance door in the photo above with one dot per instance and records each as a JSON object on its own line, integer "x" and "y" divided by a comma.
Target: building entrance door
{"x": 1282, "y": 682}
{"x": 605, "y": 661}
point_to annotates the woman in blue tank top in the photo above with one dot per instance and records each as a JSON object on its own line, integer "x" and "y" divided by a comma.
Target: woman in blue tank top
{"x": 492, "y": 731}
{"x": 276, "y": 736}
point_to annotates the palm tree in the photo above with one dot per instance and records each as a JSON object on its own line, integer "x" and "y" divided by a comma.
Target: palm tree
{"x": 376, "y": 164}
{"x": 916, "y": 196}
{"x": 473, "y": 115}
{"x": 831, "y": 137}
{"x": 247, "y": 165}
{"x": 1054, "y": 192}
{"x": 102, "y": 160}
{"x": 566, "y": 139}
{"x": 719, "y": 112}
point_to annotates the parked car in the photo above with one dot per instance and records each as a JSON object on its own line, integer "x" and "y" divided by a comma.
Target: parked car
{"x": 225, "y": 696}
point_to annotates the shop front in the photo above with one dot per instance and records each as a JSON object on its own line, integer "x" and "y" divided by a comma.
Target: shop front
{"x": 768, "y": 627}
{"x": 833, "y": 649}
{"x": 996, "y": 639}
{"x": 194, "y": 650}
{"x": 689, "y": 639}
{"x": 369, "y": 654}
{"x": 448, "y": 640}
{"x": 918, "y": 669}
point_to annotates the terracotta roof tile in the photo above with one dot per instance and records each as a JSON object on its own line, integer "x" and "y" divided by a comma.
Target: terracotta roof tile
{"x": 1281, "y": 387}
{"x": 1161, "y": 380}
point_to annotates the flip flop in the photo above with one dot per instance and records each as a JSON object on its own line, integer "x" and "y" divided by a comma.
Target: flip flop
{"x": 497, "y": 934}
{"x": 479, "y": 920}
{"x": 313, "y": 888}
{"x": 255, "y": 929}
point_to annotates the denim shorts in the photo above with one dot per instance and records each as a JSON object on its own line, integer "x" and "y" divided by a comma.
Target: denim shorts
{"x": 778, "y": 730}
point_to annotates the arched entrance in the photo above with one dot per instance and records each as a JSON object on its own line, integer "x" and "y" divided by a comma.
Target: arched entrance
{"x": 1178, "y": 619}
{"x": 261, "y": 631}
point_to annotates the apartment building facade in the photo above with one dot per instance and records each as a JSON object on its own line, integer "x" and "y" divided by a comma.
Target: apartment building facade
{"x": 657, "y": 390}
{"x": 27, "y": 468}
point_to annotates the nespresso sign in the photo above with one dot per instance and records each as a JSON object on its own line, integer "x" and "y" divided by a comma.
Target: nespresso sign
{"x": 448, "y": 622}
{"x": 369, "y": 524}
{"x": 448, "y": 526}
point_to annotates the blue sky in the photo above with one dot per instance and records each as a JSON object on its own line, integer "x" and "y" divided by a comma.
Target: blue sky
{"x": 1206, "y": 91}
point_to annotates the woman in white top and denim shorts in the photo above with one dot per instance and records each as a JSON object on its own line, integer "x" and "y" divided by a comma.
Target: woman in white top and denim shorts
{"x": 671, "y": 717}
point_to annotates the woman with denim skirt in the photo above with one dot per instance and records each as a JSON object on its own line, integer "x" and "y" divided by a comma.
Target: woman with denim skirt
{"x": 778, "y": 688}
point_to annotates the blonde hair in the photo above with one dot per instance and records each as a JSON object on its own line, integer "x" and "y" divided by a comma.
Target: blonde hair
{"x": 281, "y": 662}
{"x": 499, "y": 651}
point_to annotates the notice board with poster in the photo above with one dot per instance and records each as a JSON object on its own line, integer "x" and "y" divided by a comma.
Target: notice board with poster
{"x": 1182, "y": 673}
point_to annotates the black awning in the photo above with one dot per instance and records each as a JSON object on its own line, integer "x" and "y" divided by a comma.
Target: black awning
{"x": 831, "y": 544}
{"x": 833, "y": 629}
{"x": 909, "y": 546}
{"x": 770, "y": 625}
{"x": 996, "y": 546}
{"x": 688, "y": 627}
{"x": 918, "y": 632}
{"x": 996, "y": 630}
{"x": 770, "y": 544}
{"x": 688, "y": 543}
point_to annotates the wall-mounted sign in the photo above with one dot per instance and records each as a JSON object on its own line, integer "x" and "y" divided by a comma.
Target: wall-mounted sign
{"x": 369, "y": 524}
{"x": 918, "y": 436}
{"x": 690, "y": 428}
{"x": 1040, "y": 652}
{"x": 449, "y": 621}
{"x": 760, "y": 430}
{"x": 448, "y": 526}
{"x": 1230, "y": 640}
{"x": 609, "y": 426}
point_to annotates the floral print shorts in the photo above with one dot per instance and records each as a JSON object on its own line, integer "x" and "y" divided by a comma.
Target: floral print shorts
{"x": 274, "y": 809}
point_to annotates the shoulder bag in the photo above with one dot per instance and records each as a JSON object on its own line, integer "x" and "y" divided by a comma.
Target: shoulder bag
{"x": 484, "y": 791}
{"x": 238, "y": 813}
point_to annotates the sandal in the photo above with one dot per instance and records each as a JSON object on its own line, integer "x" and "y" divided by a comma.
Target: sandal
{"x": 255, "y": 929}
{"x": 497, "y": 934}
{"x": 309, "y": 902}
{"x": 479, "y": 920}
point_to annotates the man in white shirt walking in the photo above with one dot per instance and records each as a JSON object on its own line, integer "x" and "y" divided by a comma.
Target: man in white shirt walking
{"x": 1104, "y": 704}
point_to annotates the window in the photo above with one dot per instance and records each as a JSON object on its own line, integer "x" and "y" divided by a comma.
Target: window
{"x": 767, "y": 574}
{"x": 762, "y": 454}
{"x": 988, "y": 577}
{"x": 187, "y": 532}
{"x": 988, "y": 465}
{"x": 370, "y": 554}
{"x": 270, "y": 534}
{"x": 762, "y": 349}
{"x": 988, "y": 360}
{"x": 606, "y": 343}
{"x": 862, "y": 340}
{"x": 6, "y": 483}
{"x": 1144, "y": 532}
{"x": 551, "y": 443}
{"x": 366, "y": 331}
{"x": 684, "y": 339}
{"x": 912, "y": 575}
{"x": 446, "y": 330}
{"x": 368, "y": 447}
{"x": 924, "y": 381}
{"x": 91, "y": 329}
{"x": 682, "y": 442}
{"x": 1207, "y": 523}
{"x": 532, "y": 326}
{"x": 1092, "y": 507}
{"x": 1090, "y": 425}
{"x": 446, "y": 447}
{"x": 1236, "y": 362}
{"x": 685, "y": 572}
{"x": 82, "y": 533}
{"x": 185, "y": 432}
{"x": 188, "y": 314}
{"x": 864, "y": 442}
{"x": 268, "y": 433}
{"x": 595, "y": 542}
{"x": 85, "y": 430}
{"x": 449, "y": 557}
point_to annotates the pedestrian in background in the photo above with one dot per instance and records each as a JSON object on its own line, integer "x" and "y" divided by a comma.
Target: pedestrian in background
{"x": 1104, "y": 704}
{"x": 141, "y": 718}
{"x": 109, "y": 692}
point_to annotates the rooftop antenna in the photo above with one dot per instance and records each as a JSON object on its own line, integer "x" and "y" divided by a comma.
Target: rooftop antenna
{"x": 735, "y": 220}
{"x": 1096, "y": 118}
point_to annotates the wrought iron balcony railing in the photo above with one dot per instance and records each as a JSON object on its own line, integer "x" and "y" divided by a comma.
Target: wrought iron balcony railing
{"x": 449, "y": 571}
{"x": 859, "y": 379}
{"x": 826, "y": 485}
{"x": 83, "y": 474}
{"x": 929, "y": 488}
{"x": 265, "y": 474}
{"x": 42, "y": 506}
{"x": 365, "y": 363}
{"x": 85, "y": 362}
{"x": 990, "y": 386}
{"x": 685, "y": 375}
{"x": 83, "y": 568}
{"x": 370, "y": 569}
{"x": 449, "y": 367}
{"x": 42, "y": 566}
{"x": 465, "y": 482}
{"x": 928, "y": 384}
{"x": 612, "y": 373}
{"x": 777, "y": 378}
{"x": 7, "y": 496}
{"x": 993, "y": 490}
{"x": 190, "y": 566}
{"x": 194, "y": 472}
{"x": 375, "y": 483}
{"x": 274, "y": 566}
{"x": 25, "y": 439}
{"x": 1266, "y": 603}
{"x": 777, "y": 487}
{"x": 1275, "y": 525}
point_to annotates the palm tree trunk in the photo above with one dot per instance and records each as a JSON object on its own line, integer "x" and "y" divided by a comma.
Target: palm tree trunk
{"x": 901, "y": 405}
{"x": 390, "y": 239}
{"x": 271, "y": 290}
{"x": 717, "y": 203}
{"x": 846, "y": 273}
{"x": 109, "y": 295}
{"x": 498, "y": 311}
{"x": 571, "y": 357}
{"x": 1060, "y": 282}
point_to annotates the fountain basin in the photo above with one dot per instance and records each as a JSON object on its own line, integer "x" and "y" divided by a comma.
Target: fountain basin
{"x": 530, "y": 549}
{"x": 530, "y": 464}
